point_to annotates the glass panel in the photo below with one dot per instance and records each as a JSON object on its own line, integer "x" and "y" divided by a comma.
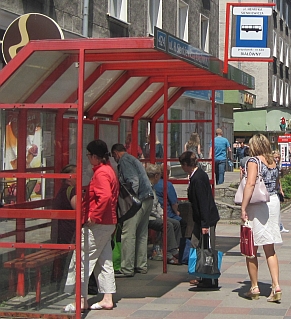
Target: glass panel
{"x": 123, "y": 94}
{"x": 38, "y": 65}
{"x": 109, "y": 134}
{"x": 88, "y": 136}
{"x": 39, "y": 139}
{"x": 37, "y": 282}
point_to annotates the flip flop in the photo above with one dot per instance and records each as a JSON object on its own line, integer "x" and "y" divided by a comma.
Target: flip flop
{"x": 97, "y": 306}
{"x": 173, "y": 261}
{"x": 71, "y": 308}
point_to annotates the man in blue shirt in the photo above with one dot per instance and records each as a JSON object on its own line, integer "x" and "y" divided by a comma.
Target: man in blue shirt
{"x": 221, "y": 148}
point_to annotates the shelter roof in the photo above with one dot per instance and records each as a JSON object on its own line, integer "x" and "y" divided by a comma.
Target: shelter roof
{"x": 123, "y": 77}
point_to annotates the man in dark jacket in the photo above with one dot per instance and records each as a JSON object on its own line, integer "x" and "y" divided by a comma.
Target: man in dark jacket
{"x": 205, "y": 213}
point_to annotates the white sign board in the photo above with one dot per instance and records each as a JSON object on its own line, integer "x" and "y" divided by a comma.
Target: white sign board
{"x": 240, "y": 52}
{"x": 252, "y": 11}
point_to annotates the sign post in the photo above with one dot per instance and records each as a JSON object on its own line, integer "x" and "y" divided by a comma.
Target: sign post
{"x": 251, "y": 33}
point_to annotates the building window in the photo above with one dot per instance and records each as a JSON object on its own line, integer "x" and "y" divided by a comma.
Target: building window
{"x": 274, "y": 88}
{"x": 275, "y": 7}
{"x": 274, "y": 44}
{"x": 283, "y": 10}
{"x": 118, "y": 9}
{"x": 206, "y": 4}
{"x": 281, "y": 56}
{"x": 275, "y": 19}
{"x": 281, "y": 92}
{"x": 182, "y": 20}
{"x": 204, "y": 33}
{"x": 287, "y": 56}
{"x": 286, "y": 94}
{"x": 117, "y": 28}
{"x": 287, "y": 15}
{"x": 275, "y": 66}
{"x": 155, "y": 15}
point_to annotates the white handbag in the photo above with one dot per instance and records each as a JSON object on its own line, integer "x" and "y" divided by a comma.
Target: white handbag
{"x": 260, "y": 193}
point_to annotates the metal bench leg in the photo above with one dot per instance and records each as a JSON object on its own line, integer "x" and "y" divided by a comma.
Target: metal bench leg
{"x": 12, "y": 281}
{"x": 21, "y": 282}
{"x": 38, "y": 285}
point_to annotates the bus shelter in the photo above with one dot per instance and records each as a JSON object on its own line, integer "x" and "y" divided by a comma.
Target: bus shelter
{"x": 55, "y": 97}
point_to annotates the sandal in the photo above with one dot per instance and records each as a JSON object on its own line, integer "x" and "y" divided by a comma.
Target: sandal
{"x": 276, "y": 294}
{"x": 194, "y": 282}
{"x": 251, "y": 294}
{"x": 71, "y": 308}
{"x": 173, "y": 261}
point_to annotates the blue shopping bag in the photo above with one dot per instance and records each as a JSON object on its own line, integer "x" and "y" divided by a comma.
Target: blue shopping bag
{"x": 205, "y": 263}
{"x": 185, "y": 258}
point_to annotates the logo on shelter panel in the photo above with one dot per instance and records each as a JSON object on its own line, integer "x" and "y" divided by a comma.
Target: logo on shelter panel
{"x": 30, "y": 26}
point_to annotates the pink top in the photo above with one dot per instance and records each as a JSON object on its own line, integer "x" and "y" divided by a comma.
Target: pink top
{"x": 101, "y": 196}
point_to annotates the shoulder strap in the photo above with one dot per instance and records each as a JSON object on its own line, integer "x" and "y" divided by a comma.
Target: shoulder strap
{"x": 68, "y": 192}
{"x": 258, "y": 163}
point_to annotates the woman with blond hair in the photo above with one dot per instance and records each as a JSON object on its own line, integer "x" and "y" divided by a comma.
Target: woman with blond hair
{"x": 193, "y": 145}
{"x": 263, "y": 217}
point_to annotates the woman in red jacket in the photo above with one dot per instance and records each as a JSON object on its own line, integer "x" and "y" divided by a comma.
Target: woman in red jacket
{"x": 99, "y": 219}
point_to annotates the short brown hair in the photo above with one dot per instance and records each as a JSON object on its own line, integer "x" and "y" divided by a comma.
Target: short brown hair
{"x": 219, "y": 131}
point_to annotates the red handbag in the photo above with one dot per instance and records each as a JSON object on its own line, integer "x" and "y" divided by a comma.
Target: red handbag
{"x": 246, "y": 240}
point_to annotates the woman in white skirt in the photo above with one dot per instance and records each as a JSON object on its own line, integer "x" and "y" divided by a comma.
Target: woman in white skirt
{"x": 264, "y": 218}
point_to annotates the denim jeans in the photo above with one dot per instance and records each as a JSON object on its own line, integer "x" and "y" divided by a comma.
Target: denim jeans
{"x": 220, "y": 167}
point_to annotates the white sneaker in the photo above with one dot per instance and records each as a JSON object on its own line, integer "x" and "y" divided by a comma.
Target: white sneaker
{"x": 283, "y": 230}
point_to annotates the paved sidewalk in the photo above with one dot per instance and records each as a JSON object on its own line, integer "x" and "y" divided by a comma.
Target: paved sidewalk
{"x": 158, "y": 295}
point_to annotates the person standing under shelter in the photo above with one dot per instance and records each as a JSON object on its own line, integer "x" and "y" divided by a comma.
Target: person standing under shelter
{"x": 221, "y": 150}
{"x": 63, "y": 230}
{"x": 98, "y": 220}
{"x": 134, "y": 236}
{"x": 205, "y": 213}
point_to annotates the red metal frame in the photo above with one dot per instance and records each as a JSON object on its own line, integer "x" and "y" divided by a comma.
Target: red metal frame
{"x": 165, "y": 176}
{"x": 136, "y": 57}
{"x": 227, "y": 27}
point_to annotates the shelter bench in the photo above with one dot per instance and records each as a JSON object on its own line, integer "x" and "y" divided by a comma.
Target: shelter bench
{"x": 33, "y": 261}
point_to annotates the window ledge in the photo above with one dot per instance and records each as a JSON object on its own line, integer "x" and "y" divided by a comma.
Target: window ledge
{"x": 117, "y": 20}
